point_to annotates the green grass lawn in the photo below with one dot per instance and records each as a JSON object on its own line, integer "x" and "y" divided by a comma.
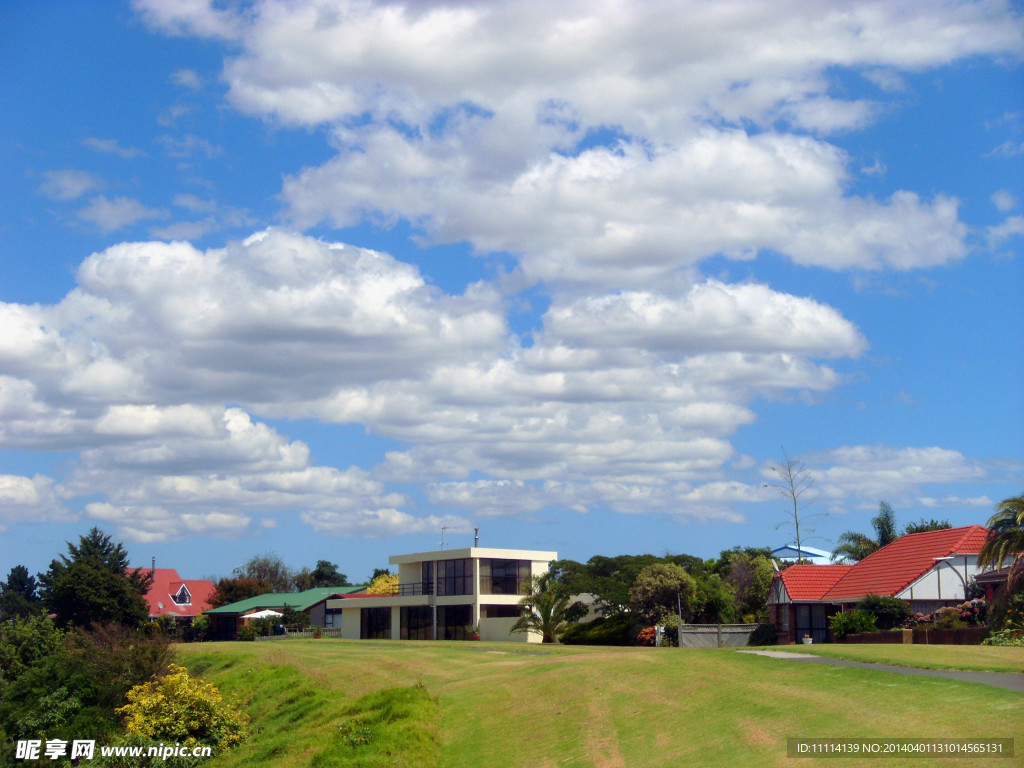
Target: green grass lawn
{"x": 983, "y": 658}
{"x": 347, "y": 703}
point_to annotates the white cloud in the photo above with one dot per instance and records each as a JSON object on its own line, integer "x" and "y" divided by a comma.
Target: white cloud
{"x": 630, "y": 214}
{"x": 1012, "y": 226}
{"x": 625, "y": 400}
{"x": 871, "y": 472}
{"x": 112, "y": 147}
{"x": 1004, "y": 200}
{"x": 488, "y": 149}
{"x": 886, "y": 79}
{"x": 110, "y": 215}
{"x": 1008, "y": 149}
{"x": 37, "y": 497}
{"x": 190, "y": 145}
{"x": 187, "y": 78}
{"x": 68, "y": 184}
{"x": 956, "y": 501}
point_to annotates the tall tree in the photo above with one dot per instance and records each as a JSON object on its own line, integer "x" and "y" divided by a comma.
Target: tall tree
{"x": 326, "y": 574}
{"x": 659, "y": 590}
{"x": 853, "y": 547}
{"x": 794, "y": 483}
{"x": 93, "y": 585}
{"x": 1006, "y": 541}
{"x": 18, "y": 597}
{"x": 923, "y": 526}
{"x": 267, "y": 568}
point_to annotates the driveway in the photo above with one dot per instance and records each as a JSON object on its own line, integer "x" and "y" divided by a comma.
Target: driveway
{"x": 1006, "y": 680}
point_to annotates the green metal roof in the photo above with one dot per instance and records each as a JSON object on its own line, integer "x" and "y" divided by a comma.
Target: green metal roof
{"x": 300, "y": 601}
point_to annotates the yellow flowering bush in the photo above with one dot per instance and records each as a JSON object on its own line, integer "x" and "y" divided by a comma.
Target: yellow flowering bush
{"x": 182, "y": 708}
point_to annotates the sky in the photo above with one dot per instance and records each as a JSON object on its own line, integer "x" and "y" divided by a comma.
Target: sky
{"x": 340, "y": 280}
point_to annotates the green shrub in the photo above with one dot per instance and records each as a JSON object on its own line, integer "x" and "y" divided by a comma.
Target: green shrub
{"x": 765, "y": 634}
{"x": 196, "y": 632}
{"x": 246, "y": 633}
{"x": 889, "y": 612}
{"x": 604, "y": 630}
{"x": 1008, "y": 613}
{"x": 948, "y": 618}
{"x": 1011, "y": 637}
{"x": 852, "y": 623}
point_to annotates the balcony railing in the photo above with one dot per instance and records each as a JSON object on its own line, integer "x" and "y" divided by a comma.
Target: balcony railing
{"x": 412, "y": 590}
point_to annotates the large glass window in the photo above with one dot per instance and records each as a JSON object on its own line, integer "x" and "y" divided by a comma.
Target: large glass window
{"x": 504, "y": 577}
{"x": 455, "y": 577}
{"x": 375, "y": 624}
{"x": 454, "y": 622}
{"x": 417, "y": 622}
{"x": 427, "y": 578}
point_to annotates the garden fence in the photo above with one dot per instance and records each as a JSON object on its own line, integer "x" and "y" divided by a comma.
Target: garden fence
{"x": 715, "y": 635}
{"x": 321, "y": 632}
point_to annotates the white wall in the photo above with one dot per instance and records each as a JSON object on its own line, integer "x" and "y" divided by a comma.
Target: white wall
{"x": 941, "y": 583}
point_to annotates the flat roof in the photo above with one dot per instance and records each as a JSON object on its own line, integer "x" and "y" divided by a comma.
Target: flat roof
{"x": 453, "y": 554}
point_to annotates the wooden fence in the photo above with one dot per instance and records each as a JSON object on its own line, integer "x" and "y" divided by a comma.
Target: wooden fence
{"x": 922, "y": 636}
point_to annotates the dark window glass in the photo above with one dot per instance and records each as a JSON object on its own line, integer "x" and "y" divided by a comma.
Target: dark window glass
{"x": 454, "y": 622}
{"x": 182, "y": 597}
{"x": 500, "y": 611}
{"x": 504, "y": 577}
{"x": 375, "y": 624}
{"x": 455, "y": 577}
{"x": 417, "y": 623}
{"x": 427, "y": 577}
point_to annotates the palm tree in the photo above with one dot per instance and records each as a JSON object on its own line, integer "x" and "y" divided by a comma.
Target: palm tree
{"x": 544, "y": 610}
{"x": 855, "y": 546}
{"x": 1006, "y": 540}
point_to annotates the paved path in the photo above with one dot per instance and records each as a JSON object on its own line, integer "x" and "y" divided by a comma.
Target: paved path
{"x": 1009, "y": 680}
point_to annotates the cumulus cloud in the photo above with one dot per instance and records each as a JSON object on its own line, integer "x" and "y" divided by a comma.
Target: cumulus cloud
{"x": 871, "y": 472}
{"x": 624, "y": 400}
{"x": 497, "y": 147}
{"x": 38, "y": 497}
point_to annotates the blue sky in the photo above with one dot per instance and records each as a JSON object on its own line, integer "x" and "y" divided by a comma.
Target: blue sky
{"x": 323, "y": 278}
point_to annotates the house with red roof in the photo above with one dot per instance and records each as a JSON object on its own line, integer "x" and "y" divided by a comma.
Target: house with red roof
{"x": 171, "y": 595}
{"x": 929, "y": 570}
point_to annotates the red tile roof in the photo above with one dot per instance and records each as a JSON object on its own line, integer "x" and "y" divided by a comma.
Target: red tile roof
{"x": 811, "y": 582}
{"x": 893, "y": 568}
{"x": 166, "y": 584}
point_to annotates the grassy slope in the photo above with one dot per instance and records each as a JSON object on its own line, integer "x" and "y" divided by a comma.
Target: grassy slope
{"x": 495, "y": 705}
{"x": 983, "y": 658}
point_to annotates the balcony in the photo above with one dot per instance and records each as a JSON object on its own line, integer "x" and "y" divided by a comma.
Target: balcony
{"x": 415, "y": 589}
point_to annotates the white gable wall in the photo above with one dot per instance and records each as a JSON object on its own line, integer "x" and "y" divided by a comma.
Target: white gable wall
{"x": 944, "y": 582}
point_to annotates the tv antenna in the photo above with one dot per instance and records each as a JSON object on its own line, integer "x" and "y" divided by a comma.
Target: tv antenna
{"x": 443, "y": 529}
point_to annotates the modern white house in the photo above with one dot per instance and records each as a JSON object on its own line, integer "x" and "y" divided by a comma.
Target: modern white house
{"x": 444, "y": 595}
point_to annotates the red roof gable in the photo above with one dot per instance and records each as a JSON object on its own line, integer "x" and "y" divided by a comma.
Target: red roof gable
{"x": 811, "y": 582}
{"x": 167, "y": 583}
{"x": 896, "y": 566}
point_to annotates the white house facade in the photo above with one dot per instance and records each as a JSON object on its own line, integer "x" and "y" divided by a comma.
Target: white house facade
{"x": 445, "y": 595}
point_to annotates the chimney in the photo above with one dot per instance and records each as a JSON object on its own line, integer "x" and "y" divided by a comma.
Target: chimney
{"x": 153, "y": 569}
